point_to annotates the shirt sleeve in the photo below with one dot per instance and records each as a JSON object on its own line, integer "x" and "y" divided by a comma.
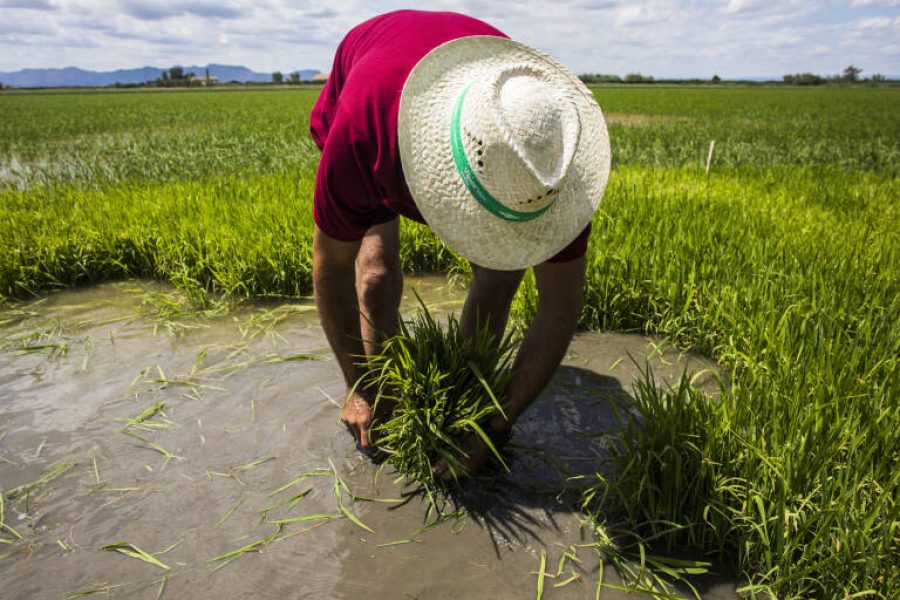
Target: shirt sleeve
{"x": 344, "y": 201}
{"x": 576, "y": 249}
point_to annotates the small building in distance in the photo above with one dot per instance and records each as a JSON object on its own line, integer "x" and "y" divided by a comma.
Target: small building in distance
{"x": 319, "y": 78}
{"x": 204, "y": 80}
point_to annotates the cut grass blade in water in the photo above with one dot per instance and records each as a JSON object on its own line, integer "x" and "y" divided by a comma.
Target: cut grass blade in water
{"x": 229, "y": 513}
{"x": 135, "y": 552}
{"x": 252, "y": 464}
{"x": 541, "y": 574}
{"x": 23, "y": 491}
{"x": 339, "y": 484}
{"x": 150, "y": 444}
{"x": 307, "y": 518}
{"x": 142, "y": 421}
{"x": 224, "y": 559}
{"x": 103, "y": 588}
{"x": 289, "y": 502}
{"x": 399, "y": 543}
{"x": 300, "y": 479}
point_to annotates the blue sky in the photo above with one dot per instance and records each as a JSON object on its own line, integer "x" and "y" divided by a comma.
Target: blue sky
{"x": 663, "y": 38}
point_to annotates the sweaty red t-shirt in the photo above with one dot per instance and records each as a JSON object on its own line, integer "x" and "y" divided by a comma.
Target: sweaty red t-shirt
{"x": 360, "y": 181}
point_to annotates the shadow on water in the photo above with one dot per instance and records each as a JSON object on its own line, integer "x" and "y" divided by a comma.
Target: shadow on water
{"x": 561, "y": 437}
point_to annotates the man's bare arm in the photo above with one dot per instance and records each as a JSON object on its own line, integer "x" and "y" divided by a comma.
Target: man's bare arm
{"x": 334, "y": 286}
{"x": 560, "y": 297}
{"x": 334, "y": 283}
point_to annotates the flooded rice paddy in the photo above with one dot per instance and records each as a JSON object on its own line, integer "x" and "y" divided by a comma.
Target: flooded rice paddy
{"x": 188, "y": 439}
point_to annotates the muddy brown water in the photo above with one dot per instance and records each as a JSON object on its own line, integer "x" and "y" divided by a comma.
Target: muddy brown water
{"x": 250, "y": 405}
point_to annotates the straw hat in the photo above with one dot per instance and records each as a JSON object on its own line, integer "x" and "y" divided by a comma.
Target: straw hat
{"x": 504, "y": 150}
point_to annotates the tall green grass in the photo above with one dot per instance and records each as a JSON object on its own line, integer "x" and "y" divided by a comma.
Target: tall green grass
{"x": 782, "y": 263}
{"x": 791, "y": 279}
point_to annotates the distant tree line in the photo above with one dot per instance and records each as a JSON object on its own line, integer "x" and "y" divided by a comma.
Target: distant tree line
{"x": 639, "y": 78}
{"x": 292, "y": 78}
{"x": 601, "y": 78}
{"x": 176, "y": 77}
{"x": 851, "y": 74}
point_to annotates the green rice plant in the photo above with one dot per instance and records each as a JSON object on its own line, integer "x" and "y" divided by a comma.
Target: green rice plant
{"x": 102, "y": 588}
{"x": 300, "y": 479}
{"x": 151, "y": 445}
{"x": 5, "y": 528}
{"x": 257, "y": 546}
{"x": 690, "y": 475}
{"x": 23, "y": 492}
{"x": 252, "y": 464}
{"x": 229, "y": 512}
{"x": 340, "y": 486}
{"x": 135, "y": 552}
{"x": 144, "y": 420}
{"x": 790, "y": 278}
{"x": 440, "y": 386}
{"x": 541, "y": 574}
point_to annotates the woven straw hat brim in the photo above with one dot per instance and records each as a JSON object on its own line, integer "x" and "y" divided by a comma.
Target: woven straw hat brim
{"x": 442, "y": 198}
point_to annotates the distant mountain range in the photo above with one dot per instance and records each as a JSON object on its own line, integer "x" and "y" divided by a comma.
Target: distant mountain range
{"x": 75, "y": 77}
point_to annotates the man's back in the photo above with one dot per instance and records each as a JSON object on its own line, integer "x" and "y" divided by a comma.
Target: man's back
{"x": 354, "y": 121}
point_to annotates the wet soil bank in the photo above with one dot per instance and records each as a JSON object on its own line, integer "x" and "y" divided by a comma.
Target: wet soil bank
{"x": 241, "y": 406}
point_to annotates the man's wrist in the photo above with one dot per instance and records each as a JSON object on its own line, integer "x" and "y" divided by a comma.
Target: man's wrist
{"x": 498, "y": 430}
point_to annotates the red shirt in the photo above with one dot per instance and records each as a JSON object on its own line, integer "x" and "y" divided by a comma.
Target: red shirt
{"x": 360, "y": 182}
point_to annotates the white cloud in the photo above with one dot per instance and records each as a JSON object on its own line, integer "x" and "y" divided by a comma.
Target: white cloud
{"x": 877, "y": 3}
{"x": 155, "y": 10}
{"x": 663, "y": 38}
{"x": 745, "y": 6}
{"x": 28, "y": 4}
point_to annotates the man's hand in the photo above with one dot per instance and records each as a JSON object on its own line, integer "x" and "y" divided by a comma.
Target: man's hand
{"x": 357, "y": 413}
{"x": 476, "y": 454}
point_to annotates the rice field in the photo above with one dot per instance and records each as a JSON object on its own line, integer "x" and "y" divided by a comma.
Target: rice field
{"x": 779, "y": 257}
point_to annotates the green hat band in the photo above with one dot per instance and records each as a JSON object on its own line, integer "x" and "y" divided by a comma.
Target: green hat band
{"x": 470, "y": 180}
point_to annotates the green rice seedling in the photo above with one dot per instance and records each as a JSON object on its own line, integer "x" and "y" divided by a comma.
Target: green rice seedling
{"x": 227, "y": 557}
{"x": 541, "y": 574}
{"x": 143, "y": 420}
{"x": 380, "y": 500}
{"x": 300, "y": 479}
{"x": 339, "y": 485}
{"x": 442, "y": 386}
{"x": 151, "y": 445}
{"x": 229, "y": 512}
{"x": 252, "y": 464}
{"x": 103, "y": 588}
{"x": 162, "y": 586}
{"x": 22, "y": 492}
{"x": 289, "y": 502}
{"x": 265, "y": 322}
{"x": 399, "y": 543}
{"x": 54, "y": 341}
{"x": 135, "y": 552}
{"x": 5, "y": 527}
{"x": 308, "y": 518}
{"x": 17, "y": 313}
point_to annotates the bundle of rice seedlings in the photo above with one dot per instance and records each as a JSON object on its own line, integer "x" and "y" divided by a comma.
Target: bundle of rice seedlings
{"x": 438, "y": 387}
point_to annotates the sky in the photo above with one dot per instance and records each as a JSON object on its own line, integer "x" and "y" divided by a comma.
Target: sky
{"x": 661, "y": 38}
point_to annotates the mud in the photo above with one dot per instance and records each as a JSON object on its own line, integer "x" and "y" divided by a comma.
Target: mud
{"x": 249, "y": 404}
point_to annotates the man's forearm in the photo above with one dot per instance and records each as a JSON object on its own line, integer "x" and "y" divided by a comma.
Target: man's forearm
{"x": 540, "y": 354}
{"x": 334, "y": 285}
{"x": 545, "y": 343}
